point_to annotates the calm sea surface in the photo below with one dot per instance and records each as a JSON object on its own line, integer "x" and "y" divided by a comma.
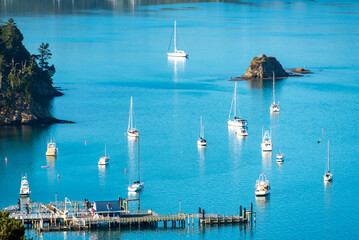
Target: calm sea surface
{"x": 107, "y": 51}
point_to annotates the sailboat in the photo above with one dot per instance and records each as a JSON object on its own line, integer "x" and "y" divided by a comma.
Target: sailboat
{"x": 137, "y": 186}
{"x": 24, "y": 188}
{"x": 104, "y": 160}
{"x": 274, "y": 107}
{"x": 266, "y": 142}
{"x": 51, "y": 148}
{"x": 328, "y": 176}
{"x": 176, "y": 53}
{"x": 236, "y": 121}
{"x": 131, "y": 130}
{"x": 201, "y": 141}
{"x": 262, "y": 186}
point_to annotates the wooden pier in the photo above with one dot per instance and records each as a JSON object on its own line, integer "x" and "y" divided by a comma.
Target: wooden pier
{"x": 81, "y": 215}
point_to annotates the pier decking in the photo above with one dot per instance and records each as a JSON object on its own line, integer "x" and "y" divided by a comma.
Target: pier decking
{"x": 83, "y": 215}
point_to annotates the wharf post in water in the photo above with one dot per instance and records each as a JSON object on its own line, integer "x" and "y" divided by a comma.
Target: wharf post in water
{"x": 83, "y": 215}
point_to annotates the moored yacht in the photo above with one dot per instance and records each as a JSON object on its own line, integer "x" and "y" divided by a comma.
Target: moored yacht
{"x": 24, "y": 188}
{"x": 236, "y": 121}
{"x": 176, "y": 52}
{"x": 266, "y": 142}
{"x": 262, "y": 186}
{"x": 328, "y": 176}
{"x": 104, "y": 160}
{"x": 201, "y": 141}
{"x": 280, "y": 157}
{"x": 51, "y": 148}
{"x": 275, "y": 106}
{"x": 131, "y": 130}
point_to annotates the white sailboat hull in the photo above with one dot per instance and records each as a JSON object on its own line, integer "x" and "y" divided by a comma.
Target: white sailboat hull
{"x": 180, "y": 54}
{"x": 274, "y": 108}
{"x": 262, "y": 192}
{"x": 104, "y": 161}
{"x": 328, "y": 177}
{"x": 201, "y": 142}
{"x": 137, "y": 187}
{"x": 133, "y": 133}
{"x": 235, "y": 123}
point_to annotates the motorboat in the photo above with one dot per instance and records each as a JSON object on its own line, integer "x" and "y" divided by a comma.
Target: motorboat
{"x": 51, "y": 148}
{"x": 262, "y": 186}
{"x": 280, "y": 157}
{"x": 24, "y": 188}
{"x": 266, "y": 142}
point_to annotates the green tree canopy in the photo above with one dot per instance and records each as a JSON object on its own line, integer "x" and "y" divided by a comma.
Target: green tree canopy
{"x": 10, "y": 229}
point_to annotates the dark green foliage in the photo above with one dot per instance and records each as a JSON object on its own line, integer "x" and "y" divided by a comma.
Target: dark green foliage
{"x": 10, "y": 229}
{"x": 20, "y": 74}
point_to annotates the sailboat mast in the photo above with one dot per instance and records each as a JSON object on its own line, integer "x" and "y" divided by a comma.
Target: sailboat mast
{"x": 138, "y": 156}
{"x": 235, "y": 99}
{"x": 175, "y": 38}
{"x": 200, "y": 127}
{"x": 130, "y": 117}
{"x": 273, "y": 88}
{"x": 328, "y": 158}
{"x": 105, "y": 150}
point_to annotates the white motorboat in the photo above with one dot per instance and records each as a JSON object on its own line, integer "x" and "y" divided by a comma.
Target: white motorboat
{"x": 262, "y": 186}
{"x": 236, "y": 121}
{"x": 266, "y": 142}
{"x": 280, "y": 157}
{"x": 176, "y": 52}
{"x": 275, "y": 106}
{"x": 51, "y": 148}
{"x": 104, "y": 160}
{"x": 201, "y": 141}
{"x": 137, "y": 186}
{"x": 328, "y": 176}
{"x": 131, "y": 130}
{"x": 24, "y": 188}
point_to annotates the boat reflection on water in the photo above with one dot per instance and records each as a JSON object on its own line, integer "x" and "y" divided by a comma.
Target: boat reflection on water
{"x": 133, "y": 195}
{"x": 262, "y": 202}
{"x": 178, "y": 64}
{"x": 327, "y": 185}
{"x": 202, "y": 159}
{"x": 102, "y": 174}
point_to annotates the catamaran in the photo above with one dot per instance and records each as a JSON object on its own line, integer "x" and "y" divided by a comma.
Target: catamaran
{"x": 328, "y": 176}
{"x": 236, "y": 121}
{"x": 266, "y": 141}
{"x": 201, "y": 141}
{"x": 24, "y": 188}
{"x": 51, "y": 148}
{"x": 137, "y": 186}
{"x": 131, "y": 130}
{"x": 262, "y": 186}
{"x": 274, "y": 107}
{"x": 176, "y": 53}
{"x": 104, "y": 160}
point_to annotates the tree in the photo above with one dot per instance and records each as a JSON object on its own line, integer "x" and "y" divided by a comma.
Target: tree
{"x": 10, "y": 228}
{"x": 44, "y": 56}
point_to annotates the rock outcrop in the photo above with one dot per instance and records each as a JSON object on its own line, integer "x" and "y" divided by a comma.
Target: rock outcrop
{"x": 25, "y": 84}
{"x": 263, "y": 67}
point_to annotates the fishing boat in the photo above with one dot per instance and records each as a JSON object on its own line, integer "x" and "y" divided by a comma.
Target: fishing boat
{"x": 266, "y": 141}
{"x": 328, "y": 176}
{"x": 137, "y": 186}
{"x": 131, "y": 130}
{"x": 201, "y": 141}
{"x": 24, "y": 188}
{"x": 280, "y": 157}
{"x": 275, "y": 106}
{"x": 176, "y": 53}
{"x": 236, "y": 121}
{"x": 51, "y": 148}
{"x": 262, "y": 186}
{"x": 104, "y": 160}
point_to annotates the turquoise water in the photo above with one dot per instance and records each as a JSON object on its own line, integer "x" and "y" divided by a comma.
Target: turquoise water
{"x": 106, "y": 53}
